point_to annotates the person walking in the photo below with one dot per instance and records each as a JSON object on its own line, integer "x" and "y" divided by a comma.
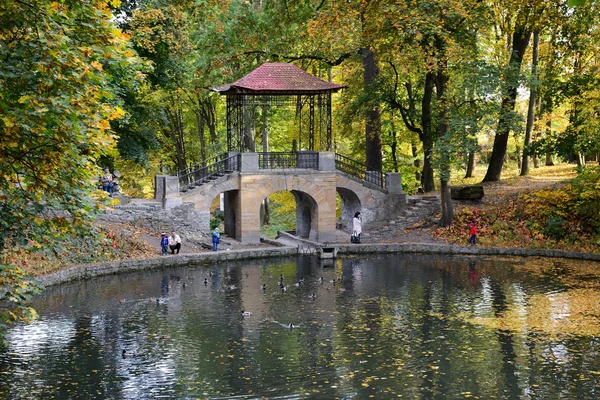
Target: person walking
{"x": 164, "y": 244}
{"x": 472, "y": 234}
{"x": 174, "y": 242}
{"x": 356, "y": 228}
{"x": 216, "y": 238}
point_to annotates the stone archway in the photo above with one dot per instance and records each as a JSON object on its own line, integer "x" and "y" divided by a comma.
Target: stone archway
{"x": 350, "y": 204}
{"x": 231, "y": 202}
{"x": 307, "y": 211}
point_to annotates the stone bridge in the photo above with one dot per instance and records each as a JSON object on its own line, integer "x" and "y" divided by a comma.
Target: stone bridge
{"x": 246, "y": 179}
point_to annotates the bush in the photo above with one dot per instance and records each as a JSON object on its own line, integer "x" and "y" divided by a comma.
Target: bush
{"x": 556, "y": 228}
{"x": 586, "y": 192}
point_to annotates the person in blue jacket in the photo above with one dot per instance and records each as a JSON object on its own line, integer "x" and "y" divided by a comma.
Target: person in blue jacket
{"x": 164, "y": 244}
{"x": 216, "y": 238}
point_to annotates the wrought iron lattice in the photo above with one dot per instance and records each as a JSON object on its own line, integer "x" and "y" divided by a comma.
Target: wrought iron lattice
{"x": 312, "y": 112}
{"x": 281, "y": 160}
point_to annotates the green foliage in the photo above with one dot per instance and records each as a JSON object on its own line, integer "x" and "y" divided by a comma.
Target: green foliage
{"x": 585, "y": 191}
{"x": 282, "y": 207}
{"x": 216, "y": 221}
{"x": 56, "y": 105}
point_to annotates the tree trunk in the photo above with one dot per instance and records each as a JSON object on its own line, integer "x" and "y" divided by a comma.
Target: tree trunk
{"x": 417, "y": 161}
{"x": 531, "y": 107}
{"x": 373, "y": 118}
{"x": 427, "y": 135}
{"x": 549, "y": 161}
{"x": 176, "y": 131}
{"x": 394, "y": 145}
{"x": 201, "y": 137}
{"x": 470, "y": 165}
{"x": 441, "y": 83}
{"x": 519, "y": 44}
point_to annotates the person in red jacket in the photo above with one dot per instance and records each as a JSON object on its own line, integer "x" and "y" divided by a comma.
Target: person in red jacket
{"x": 472, "y": 234}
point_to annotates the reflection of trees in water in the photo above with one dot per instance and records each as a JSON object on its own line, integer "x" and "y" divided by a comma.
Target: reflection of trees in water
{"x": 397, "y": 317}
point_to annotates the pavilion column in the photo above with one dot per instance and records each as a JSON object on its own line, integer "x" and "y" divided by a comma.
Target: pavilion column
{"x": 329, "y": 136}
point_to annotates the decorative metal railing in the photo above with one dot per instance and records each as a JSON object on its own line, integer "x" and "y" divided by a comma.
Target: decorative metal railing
{"x": 280, "y": 160}
{"x": 210, "y": 172}
{"x": 205, "y": 163}
{"x": 360, "y": 171}
{"x": 224, "y": 164}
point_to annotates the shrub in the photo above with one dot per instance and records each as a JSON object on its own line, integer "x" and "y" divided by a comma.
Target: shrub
{"x": 556, "y": 228}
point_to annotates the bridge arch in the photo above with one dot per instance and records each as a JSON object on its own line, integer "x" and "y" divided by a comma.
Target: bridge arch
{"x": 357, "y": 197}
{"x": 314, "y": 201}
{"x": 315, "y": 194}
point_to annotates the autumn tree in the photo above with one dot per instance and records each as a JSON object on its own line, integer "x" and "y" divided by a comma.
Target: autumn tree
{"x": 55, "y": 107}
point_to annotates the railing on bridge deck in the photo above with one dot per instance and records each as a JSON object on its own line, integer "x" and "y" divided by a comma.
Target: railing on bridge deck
{"x": 360, "y": 171}
{"x": 280, "y": 160}
{"x": 224, "y": 164}
{"x": 197, "y": 175}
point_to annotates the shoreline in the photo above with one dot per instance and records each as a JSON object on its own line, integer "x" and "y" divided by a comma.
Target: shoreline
{"x": 85, "y": 271}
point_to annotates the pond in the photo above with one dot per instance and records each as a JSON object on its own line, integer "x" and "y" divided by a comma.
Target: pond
{"x": 384, "y": 326}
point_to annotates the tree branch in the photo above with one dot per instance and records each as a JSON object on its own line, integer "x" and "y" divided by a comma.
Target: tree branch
{"x": 331, "y": 63}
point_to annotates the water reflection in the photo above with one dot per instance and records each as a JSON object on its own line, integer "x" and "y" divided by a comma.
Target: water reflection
{"x": 412, "y": 326}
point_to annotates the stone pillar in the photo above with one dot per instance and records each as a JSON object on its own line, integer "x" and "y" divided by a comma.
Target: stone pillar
{"x": 396, "y": 198}
{"x": 325, "y": 218}
{"x": 172, "y": 197}
{"x": 326, "y": 161}
{"x": 159, "y": 187}
{"x": 249, "y": 162}
{"x": 248, "y": 223}
{"x": 393, "y": 182}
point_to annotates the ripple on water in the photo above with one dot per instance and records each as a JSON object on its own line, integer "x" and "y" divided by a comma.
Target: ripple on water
{"x": 389, "y": 326}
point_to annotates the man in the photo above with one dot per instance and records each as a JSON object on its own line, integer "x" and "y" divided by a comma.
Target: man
{"x": 174, "y": 242}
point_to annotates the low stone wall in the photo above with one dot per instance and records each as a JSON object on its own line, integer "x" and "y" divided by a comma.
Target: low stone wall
{"x": 183, "y": 219}
{"x": 90, "y": 270}
{"x": 467, "y": 250}
{"x": 85, "y": 271}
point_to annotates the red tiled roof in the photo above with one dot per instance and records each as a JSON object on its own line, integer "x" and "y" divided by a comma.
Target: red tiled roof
{"x": 279, "y": 77}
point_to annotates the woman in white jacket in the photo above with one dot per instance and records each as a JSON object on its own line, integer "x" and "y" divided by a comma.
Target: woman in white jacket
{"x": 356, "y": 227}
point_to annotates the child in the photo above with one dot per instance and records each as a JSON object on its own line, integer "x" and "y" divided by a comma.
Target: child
{"x": 164, "y": 244}
{"x": 216, "y": 238}
{"x": 472, "y": 234}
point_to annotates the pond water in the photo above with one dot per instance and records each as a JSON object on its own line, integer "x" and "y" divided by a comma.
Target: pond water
{"x": 390, "y": 326}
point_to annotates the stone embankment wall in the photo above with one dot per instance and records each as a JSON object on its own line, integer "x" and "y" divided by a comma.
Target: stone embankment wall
{"x": 85, "y": 271}
{"x": 90, "y": 270}
{"x": 183, "y": 219}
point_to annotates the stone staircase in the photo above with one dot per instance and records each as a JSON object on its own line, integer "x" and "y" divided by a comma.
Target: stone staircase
{"x": 418, "y": 209}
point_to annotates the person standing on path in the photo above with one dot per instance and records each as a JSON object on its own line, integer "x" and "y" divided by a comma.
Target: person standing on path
{"x": 164, "y": 244}
{"x": 174, "y": 242}
{"x": 356, "y": 227}
{"x": 107, "y": 181}
{"x": 216, "y": 238}
{"x": 472, "y": 234}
